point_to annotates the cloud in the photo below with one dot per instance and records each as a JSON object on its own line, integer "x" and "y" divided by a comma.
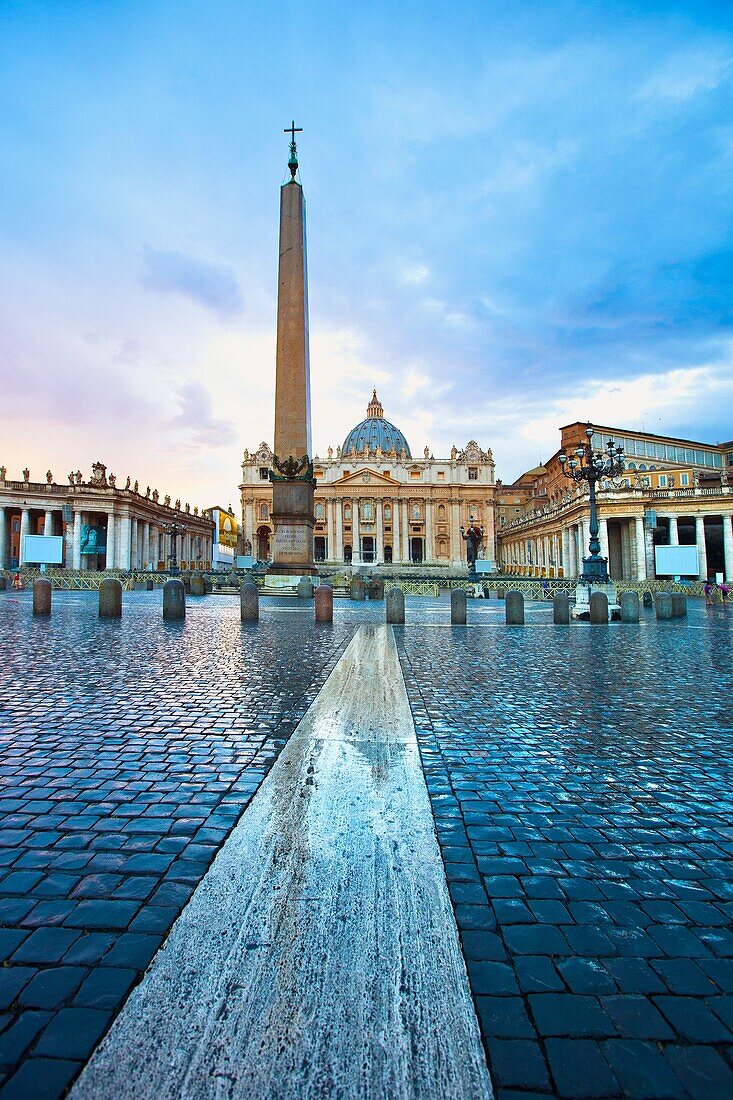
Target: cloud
{"x": 416, "y": 273}
{"x": 196, "y": 418}
{"x": 685, "y": 74}
{"x": 211, "y": 285}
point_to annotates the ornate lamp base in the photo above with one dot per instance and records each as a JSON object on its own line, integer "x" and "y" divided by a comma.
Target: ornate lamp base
{"x": 595, "y": 570}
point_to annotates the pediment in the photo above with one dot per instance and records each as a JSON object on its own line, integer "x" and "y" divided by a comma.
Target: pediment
{"x": 365, "y": 478}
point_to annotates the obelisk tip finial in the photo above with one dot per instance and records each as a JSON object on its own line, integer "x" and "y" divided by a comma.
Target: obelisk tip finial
{"x": 292, "y": 129}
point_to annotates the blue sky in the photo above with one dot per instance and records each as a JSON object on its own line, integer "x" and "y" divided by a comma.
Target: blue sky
{"x": 519, "y": 214}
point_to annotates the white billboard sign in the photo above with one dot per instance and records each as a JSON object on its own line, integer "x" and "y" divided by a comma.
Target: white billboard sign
{"x": 676, "y": 561}
{"x": 43, "y": 549}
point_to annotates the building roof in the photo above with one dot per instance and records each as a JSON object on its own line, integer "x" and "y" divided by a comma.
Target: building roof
{"x": 375, "y": 432}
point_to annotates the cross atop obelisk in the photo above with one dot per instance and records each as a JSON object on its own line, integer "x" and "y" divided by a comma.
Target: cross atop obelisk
{"x": 292, "y": 129}
{"x": 292, "y": 475}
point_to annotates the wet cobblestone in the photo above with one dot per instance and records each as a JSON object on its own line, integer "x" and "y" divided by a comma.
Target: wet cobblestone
{"x": 580, "y": 779}
{"x": 128, "y": 750}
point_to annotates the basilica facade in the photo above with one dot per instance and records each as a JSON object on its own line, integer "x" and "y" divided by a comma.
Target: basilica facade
{"x": 377, "y": 503}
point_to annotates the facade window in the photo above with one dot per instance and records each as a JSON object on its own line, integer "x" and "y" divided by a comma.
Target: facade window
{"x": 662, "y": 481}
{"x": 388, "y": 511}
{"x": 264, "y": 473}
{"x": 415, "y": 474}
{"x": 320, "y": 511}
{"x": 441, "y": 475}
{"x": 684, "y": 480}
{"x": 264, "y": 511}
{"x": 473, "y": 473}
{"x": 367, "y": 510}
{"x": 347, "y": 511}
{"x": 16, "y": 526}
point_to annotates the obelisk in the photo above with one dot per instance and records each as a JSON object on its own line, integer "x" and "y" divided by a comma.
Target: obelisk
{"x": 292, "y": 474}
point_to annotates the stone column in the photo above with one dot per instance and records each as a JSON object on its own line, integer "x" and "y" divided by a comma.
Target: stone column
{"x": 355, "y": 545}
{"x": 429, "y": 539}
{"x": 728, "y": 547}
{"x": 133, "y": 543}
{"x": 702, "y": 551}
{"x": 330, "y": 527}
{"x": 124, "y": 549}
{"x": 396, "y": 551}
{"x": 674, "y": 534}
{"x": 110, "y": 561}
{"x": 626, "y": 571}
{"x": 456, "y": 542}
{"x": 4, "y": 538}
{"x": 603, "y": 536}
{"x": 146, "y": 545}
{"x": 338, "y": 550}
{"x": 76, "y": 559}
{"x": 405, "y": 519}
{"x": 249, "y": 525}
{"x": 25, "y": 518}
{"x": 379, "y": 550}
{"x": 640, "y": 548}
{"x": 48, "y": 522}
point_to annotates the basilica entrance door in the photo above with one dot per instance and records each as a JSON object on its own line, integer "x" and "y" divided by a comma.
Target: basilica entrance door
{"x": 416, "y": 551}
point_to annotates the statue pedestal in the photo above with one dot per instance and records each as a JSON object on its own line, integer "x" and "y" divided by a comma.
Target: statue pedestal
{"x": 581, "y": 608}
{"x": 292, "y": 516}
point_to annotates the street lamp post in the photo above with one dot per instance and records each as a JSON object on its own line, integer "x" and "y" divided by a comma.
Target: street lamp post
{"x": 174, "y": 529}
{"x": 585, "y": 464}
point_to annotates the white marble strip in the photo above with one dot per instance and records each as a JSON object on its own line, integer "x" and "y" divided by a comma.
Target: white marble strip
{"x": 319, "y": 955}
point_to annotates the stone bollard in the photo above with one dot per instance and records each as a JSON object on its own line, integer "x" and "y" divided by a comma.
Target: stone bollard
{"x": 458, "y": 607}
{"x": 324, "y": 604}
{"x": 42, "y": 596}
{"x": 501, "y": 593}
{"x": 395, "y": 609}
{"x": 186, "y": 578}
{"x": 629, "y": 603}
{"x": 3, "y": 584}
{"x": 198, "y": 585}
{"x": 561, "y": 609}
{"x": 110, "y": 598}
{"x": 149, "y": 586}
{"x": 663, "y": 605}
{"x": 514, "y": 608}
{"x": 208, "y": 584}
{"x": 647, "y": 600}
{"x": 249, "y": 602}
{"x": 598, "y": 607}
{"x": 305, "y": 588}
{"x": 358, "y": 588}
{"x": 679, "y": 605}
{"x": 174, "y": 600}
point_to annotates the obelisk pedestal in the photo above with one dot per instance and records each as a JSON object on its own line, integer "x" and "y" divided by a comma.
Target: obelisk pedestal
{"x": 292, "y": 474}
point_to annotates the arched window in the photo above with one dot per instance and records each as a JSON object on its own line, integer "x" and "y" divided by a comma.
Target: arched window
{"x": 264, "y": 511}
{"x": 441, "y": 513}
{"x": 367, "y": 510}
{"x": 320, "y": 510}
{"x": 387, "y": 516}
{"x": 347, "y": 511}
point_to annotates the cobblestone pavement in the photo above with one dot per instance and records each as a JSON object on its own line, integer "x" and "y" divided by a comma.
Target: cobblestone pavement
{"x": 580, "y": 779}
{"x": 128, "y": 750}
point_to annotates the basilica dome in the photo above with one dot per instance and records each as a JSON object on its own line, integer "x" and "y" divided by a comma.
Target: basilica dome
{"x": 375, "y": 432}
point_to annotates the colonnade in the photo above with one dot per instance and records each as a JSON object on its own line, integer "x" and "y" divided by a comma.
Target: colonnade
{"x": 628, "y": 544}
{"x": 131, "y": 541}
